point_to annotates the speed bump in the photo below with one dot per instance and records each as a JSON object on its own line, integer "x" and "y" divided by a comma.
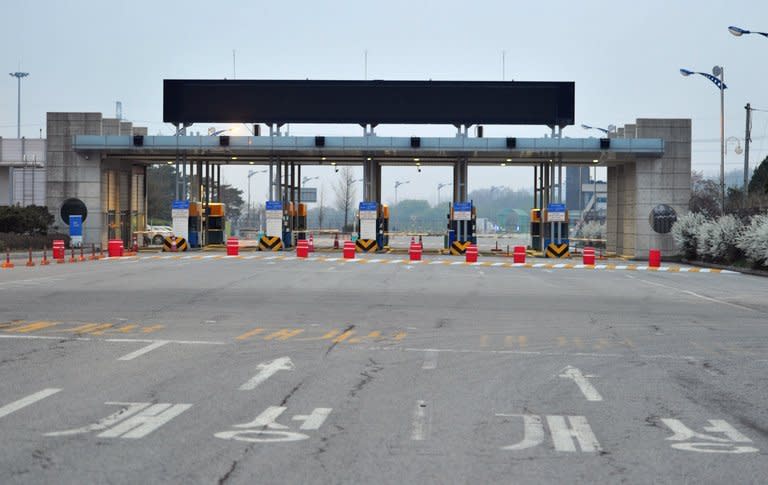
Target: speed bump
{"x": 366, "y": 245}
{"x": 181, "y": 244}
{"x": 459, "y": 247}
{"x": 555, "y": 250}
{"x": 273, "y": 243}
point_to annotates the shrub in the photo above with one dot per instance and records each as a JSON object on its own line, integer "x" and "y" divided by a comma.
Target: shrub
{"x": 754, "y": 240}
{"x": 684, "y": 232}
{"x": 14, "y": 241}
{"x": 717, "y": 239}
{"x": 592, "y": 230}
{"x": 25, "y": 220}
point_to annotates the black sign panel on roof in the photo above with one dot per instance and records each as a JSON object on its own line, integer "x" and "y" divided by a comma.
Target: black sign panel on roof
{"x": 368, "y": 102}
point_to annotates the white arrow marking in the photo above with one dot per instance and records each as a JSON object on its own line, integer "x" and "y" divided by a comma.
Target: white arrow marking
{"x": 267, "y": 370}
{"x": 581, "y": 380}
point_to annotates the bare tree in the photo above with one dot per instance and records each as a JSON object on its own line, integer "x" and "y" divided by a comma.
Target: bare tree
{"x": 345, "y": 193}
{"x": 321, "y": 208}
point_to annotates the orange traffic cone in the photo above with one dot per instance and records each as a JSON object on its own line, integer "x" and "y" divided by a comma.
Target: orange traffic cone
{"x": 72, "y": 258}
{"x": 82, "y": 256}
{"x": 29, "y": 261}
{"x": 7, "y": 264}
{"x": 45, "y": 261}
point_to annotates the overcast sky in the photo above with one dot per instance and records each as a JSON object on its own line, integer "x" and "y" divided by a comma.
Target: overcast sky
{"x": 623, "y": 56}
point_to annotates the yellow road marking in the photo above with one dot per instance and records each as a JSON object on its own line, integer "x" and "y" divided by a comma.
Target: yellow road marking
{"x": 126, "y": 328}
{"x": 284, "y": 334}
{"x": 522, "y": 340}
{"x": 344, "y": 336}
{"x": 32, "y": 327}
{"x": 562, "y": 341}
{"x": 509, "y": 341}
{"x": 152, "y": 328}
{"x": 373, "y": 335}
{"x": 249, "y": 333}
{"x": 483, "y": 341}
{"x": 601, "y": 344}
{"x": 400, "y": 336}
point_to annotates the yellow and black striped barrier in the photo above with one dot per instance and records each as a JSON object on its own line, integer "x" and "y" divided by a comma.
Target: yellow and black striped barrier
{"x": 181, "y": 244}
{"x": 270, "y": 243}
{"x": 555, "y": 250}
{"x": 366, "y": 245}
{"x": 459, "y": 247}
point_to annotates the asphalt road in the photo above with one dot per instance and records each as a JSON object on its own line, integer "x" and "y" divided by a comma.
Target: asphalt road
{"x": 205, "y": 369}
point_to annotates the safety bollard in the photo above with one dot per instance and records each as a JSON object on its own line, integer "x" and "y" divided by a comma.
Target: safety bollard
{"x": 82, "y": 256}
{"x": 588, "y": 256}
{"x": 415, "y": 252}
{"x": 93, "y": 257}
{"x": 421, "y": 246}
{"x": 336, "y": 241}
{"x": 519, "y": 254}
{"x": 72, "y": 258}
{"x": 233, "y": 246}
{"x": 44, "y": 261}
{"x": 654, "y": 258}
{"x": 302, "y": 248}
{"x": 7, "y": 264}
{"x": 471, "y": 253}
{"x": 29, "y": 261}
{"x": 349, "y": 250}
{"x": 311, "y": 244}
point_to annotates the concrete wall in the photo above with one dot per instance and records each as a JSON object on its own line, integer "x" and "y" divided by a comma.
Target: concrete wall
{"x": 636, "y": 188}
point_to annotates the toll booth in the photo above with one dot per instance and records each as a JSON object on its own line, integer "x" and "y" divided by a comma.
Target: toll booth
{"x": 299, "y": 222}
{"x": 288, "y": 224}
{"x": 276, "y": 222}
{"x": 369, "y": 227}
{"x": 536, "y": 229}
{"x": 383, "y": 224}
{"x": 194, "y": 224}
{"x": 214, "y": 223}
{"x": 462, "y": 223}
{"x": 554, "y": 230}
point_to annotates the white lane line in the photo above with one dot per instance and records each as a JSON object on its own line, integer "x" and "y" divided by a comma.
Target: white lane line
{"x": 267, "y": 370}
{"x": 183, "y": 342}
{"x": 250, "y": 257}
{"x": 396, "y": 261}
{"x": 26, "y": 401}
{"x": 457, "y": 262}
{"x": 497, "y": 264}
{"x": 694, "y": 294}
{"x": 375, "y": 260}
{"x": 538, "y": 265}
{"x": 430, "y": 360}
{"x": 149, "y": 348}
{"x": 45, "y": 337}
{"x": 419, "y": 432}
{"x": 437, "y": 261}
{"x": 581, "y": 381}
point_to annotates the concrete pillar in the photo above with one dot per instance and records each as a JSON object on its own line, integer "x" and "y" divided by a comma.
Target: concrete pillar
{"x": 74, "y": 175}
{"x": 460, "y": 182}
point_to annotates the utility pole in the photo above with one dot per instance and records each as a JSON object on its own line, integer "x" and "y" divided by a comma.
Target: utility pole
{"x": 747, "y": 139}
{"x": 19, "y": 76}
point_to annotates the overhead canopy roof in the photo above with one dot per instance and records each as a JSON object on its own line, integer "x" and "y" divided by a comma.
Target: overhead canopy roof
{"x": 353, "y": 150}
{"x": 368, "y": 102}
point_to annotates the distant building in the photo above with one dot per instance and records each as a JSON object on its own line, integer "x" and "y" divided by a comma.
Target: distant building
{"x": 22, "y": 171}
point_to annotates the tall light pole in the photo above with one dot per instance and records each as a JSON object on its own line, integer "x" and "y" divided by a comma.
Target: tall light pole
{"x": 398, "y": 184}
{"x": 738, "y": 32}
{"x": 251, "y": 173}
{"x": 440, "y": 186}
{"x": 718, "y": 78}
{"x": 18, "y": 76}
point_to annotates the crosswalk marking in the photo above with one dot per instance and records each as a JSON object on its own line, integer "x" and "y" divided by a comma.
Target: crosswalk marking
{"x": 26, "y": 401}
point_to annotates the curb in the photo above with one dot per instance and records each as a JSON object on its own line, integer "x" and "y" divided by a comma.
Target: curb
{"x": 749, "y": 271}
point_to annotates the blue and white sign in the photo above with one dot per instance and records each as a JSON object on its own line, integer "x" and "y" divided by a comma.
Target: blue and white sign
{"x": 180, "y": 218}
{"x": 368, "y": 213}
{"x": 368, "y": 206}
{"x": 462, "y": 211}
{"x": 274, "y": 213}
{"x": 555, "y": 212}
{"x": 76, "y": 230}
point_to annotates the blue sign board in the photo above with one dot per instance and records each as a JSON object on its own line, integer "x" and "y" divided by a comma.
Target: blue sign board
{"x": 274, "y": 205}
{"x": 180, "y": 204}
{"x": 462, "y": 206}
{"x": 369, "y": 206}
{"x": 76, "y": 225}
{"x": 555, "y": 207}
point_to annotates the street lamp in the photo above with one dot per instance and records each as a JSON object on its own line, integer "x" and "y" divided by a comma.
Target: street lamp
{"x": 608, "y": 130}
{"x": 398, "y": 184}
{"x": 738, "y": 31}
{"x": 720, "y": 83}
{"x": 18, "y": 76}
{"x": 251, "y": 173}
{"x": 440, "y": 186}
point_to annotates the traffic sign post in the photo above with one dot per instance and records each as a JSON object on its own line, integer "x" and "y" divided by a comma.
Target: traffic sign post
{"x": 76, "y": 230}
